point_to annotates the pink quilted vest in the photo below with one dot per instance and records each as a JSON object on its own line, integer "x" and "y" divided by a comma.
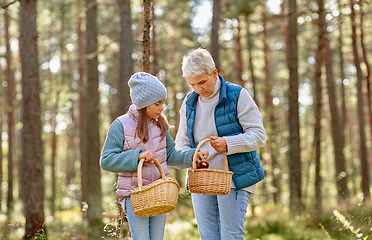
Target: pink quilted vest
{"x": 150, "y": 172}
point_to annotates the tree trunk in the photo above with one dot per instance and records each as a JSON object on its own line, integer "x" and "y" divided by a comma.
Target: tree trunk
{"x": 53, "y": 143}
{"x": 318, "y": 117}
{"x": 239, "y": 59}
{"x": 251, "y": 67}
{"x": 31, "y": 115}
{"x": 116, "y": 99}
{"x": 293, "y": 114}
{"x": 70, "y": 163}
{"x": 1, "y": 140}
{"x": 336, "y": 125}
{"x": 272, "y": 131}
{"x": 52, "y": 101}
{"x": 362, "y": 138}
{"x": 341, "y": 64}
{"x": 154, "y": 65}
{"x": 94, "y": 212}
{"x": 215, "y": 47}
{"x": 82, "y": 112}
{"x": 349, "y": 135}
{"x": 353, "y": 163}
{"x": 10, "y": 112}
{"x": 146, "y": 35}
{"x": 51, "y": 105}
{"x": 284, "y": 29}
{"x": 64, "y": 79}
{"x": 368, "y": 76}
{"x": 126, "y": 62}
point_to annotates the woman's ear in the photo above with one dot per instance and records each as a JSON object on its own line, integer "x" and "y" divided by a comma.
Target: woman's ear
{"x": 215, "y": 73}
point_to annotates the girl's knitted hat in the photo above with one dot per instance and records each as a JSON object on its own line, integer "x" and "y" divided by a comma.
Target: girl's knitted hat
{"x": 145, "y": 89}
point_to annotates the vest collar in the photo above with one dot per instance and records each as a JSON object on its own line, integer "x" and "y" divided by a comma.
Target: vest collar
{"x": 223, "y": 90}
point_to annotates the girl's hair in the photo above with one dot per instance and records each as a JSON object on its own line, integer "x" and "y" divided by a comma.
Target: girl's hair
{"x": 198, "y": 62}
{"x": 142, "y": 127}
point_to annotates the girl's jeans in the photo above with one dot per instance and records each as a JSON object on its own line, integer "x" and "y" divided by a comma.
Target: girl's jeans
{"x": 221, "y": 217}
{"x": 145, "y": 228}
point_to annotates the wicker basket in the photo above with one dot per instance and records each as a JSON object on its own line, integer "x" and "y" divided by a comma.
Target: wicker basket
{"x": 157, "y": 198}
{"x": 209, "y": 181}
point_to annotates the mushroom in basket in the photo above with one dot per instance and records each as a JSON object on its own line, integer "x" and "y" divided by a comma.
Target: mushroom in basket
{"x": 202, "y": 164}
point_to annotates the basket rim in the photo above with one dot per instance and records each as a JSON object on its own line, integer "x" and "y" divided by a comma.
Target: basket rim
{"x": 195, "y": 155}
{"x": 209, "y": 170}
{"x": 139, "y": 170}
{"x": 154, "y": 184}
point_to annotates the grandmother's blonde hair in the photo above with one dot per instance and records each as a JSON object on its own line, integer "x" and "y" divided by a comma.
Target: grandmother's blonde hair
{"x": 198, "y": 62}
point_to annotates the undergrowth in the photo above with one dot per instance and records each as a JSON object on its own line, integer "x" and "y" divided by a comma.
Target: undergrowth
{"x": 265, "y": 222}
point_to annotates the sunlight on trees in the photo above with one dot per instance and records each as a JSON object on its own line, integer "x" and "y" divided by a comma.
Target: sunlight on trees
{"x": 179, "y": 27}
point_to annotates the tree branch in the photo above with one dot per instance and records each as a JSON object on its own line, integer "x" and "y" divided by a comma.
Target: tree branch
{"x": 11, "y": 3}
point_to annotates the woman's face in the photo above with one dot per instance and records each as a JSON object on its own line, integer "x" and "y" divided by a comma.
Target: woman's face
{"x": 154, "y": 110}
{"x": 203, "y": 84}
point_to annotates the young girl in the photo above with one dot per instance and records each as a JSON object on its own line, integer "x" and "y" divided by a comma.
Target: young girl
{"x": 142, "y": 133}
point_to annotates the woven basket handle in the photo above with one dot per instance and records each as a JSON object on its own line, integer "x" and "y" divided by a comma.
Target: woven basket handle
{"x": 195, "y": 156}
{"x": 140, "y": 170}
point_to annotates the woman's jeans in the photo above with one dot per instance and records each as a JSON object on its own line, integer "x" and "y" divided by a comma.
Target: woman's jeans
{"x": 145, "y": 228}
{"x": 221, "y": 217}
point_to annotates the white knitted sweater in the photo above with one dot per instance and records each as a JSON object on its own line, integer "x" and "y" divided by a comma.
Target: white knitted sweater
{"x": 250, "y": 119}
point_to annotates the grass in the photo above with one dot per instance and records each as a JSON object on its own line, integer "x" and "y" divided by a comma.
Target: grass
{"x": 267, "y": 222}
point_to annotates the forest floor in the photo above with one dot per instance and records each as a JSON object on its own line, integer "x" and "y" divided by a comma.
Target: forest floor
{"x": 267, "y": 223}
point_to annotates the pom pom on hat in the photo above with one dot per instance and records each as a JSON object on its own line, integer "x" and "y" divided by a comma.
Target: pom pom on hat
{"x": 145, "y": 89}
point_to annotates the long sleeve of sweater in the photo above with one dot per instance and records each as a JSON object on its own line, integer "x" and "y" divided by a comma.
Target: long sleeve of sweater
{"x": 114, "y": 159}
{"x": 254, "y": 134}
{"x": 176, "y": 157}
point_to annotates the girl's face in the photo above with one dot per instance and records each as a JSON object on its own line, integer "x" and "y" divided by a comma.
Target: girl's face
{"x": 203, "y": 84}
{"x": 154, "y": 110}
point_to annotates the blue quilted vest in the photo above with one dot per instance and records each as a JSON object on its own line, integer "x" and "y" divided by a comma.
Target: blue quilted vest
{"x": 245, "y": 166}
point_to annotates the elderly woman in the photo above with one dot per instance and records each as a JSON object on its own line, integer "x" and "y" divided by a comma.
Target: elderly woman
{"x": 226, "y": 113}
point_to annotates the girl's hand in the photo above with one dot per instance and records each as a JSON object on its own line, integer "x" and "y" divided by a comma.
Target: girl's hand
{"x": 219, "y": 144}
{"x": 147, "y": 155}
{"x": 203, "y": 155}
{"x": 201, "y": 159}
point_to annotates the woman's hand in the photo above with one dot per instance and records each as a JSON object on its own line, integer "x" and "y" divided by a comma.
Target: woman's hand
{"x": 219, "y": 144}
{"x": 147, "y": 155}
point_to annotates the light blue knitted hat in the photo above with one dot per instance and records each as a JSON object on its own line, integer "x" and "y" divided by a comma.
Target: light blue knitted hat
{"x": 145, "y": 89}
